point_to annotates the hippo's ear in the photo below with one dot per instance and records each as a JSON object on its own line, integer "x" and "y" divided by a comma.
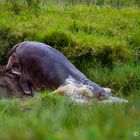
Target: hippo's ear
{"x": 13, "y": 50}
{"x": 10, "y": 53}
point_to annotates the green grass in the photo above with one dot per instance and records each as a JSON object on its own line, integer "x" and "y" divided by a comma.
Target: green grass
{"x": 53, "y": 117}
{"x": 103, "y": 43}
{"x": 105, "y": 34}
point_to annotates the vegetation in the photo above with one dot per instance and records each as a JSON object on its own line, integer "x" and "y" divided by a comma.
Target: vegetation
{"x": 55, "y": 118}
{"x": 102, "y": 41}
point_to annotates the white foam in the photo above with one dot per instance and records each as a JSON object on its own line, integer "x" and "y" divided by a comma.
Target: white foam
{"x": 112, "y": 99}
{"x": 80, "y": 93}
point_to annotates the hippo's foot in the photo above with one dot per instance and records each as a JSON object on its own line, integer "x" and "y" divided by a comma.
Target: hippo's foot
{"x": 30, "y": 93}
{"x": 25, "y": 86}
{"x": 27, "y": 92}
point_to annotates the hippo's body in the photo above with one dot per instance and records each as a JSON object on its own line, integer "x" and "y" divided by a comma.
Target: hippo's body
{"x": 43, "y": 67}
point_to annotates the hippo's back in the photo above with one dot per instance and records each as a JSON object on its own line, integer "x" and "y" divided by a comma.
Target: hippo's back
{"x": 41, "y": 60}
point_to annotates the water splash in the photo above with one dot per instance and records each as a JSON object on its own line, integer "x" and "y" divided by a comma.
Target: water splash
{"x": 80, "y": 93}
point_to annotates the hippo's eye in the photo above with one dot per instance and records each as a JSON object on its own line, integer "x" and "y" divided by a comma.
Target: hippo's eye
{"x": 13, "y": 56}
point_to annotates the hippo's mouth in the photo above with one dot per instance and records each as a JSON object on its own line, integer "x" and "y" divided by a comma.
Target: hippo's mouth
{"x": 14, "y": 71}
{"x": 17, "y": 73}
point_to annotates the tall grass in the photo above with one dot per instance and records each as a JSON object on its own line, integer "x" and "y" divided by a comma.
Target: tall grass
{"x": 102, "y": 42}
{"x": 106, "y": 34}
{"x": 114, "y": 3}
{"x": 52, "y": 117}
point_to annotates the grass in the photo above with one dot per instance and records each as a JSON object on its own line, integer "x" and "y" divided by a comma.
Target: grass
{"x": 47, "y": 117}
{"x": 103, "y": 43}
{"x": 54, "y": 117}
{"x": 97, "y": 32}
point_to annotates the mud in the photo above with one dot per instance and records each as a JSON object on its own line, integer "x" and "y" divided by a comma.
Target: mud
{"x": 9, "y": 86}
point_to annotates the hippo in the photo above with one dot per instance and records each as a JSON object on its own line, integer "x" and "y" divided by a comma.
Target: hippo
{"x": 43, "y": 67}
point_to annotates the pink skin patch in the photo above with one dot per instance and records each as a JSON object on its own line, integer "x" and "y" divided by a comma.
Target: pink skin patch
{"x": 10, "y": 63}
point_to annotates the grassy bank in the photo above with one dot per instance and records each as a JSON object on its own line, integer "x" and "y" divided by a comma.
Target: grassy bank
{"x": 107, "y": 35}
{"x": 103, "y": 42}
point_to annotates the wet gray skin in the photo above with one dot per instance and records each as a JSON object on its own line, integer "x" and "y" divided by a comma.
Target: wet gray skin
{"x": 43, "y": 67}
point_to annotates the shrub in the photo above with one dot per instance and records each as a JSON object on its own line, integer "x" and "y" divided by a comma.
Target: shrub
{"x": 34, "y": 6}
{"x": 111, "y": 54}
{"x": 76, "y": 27}
{"x": 59, "y": 40}
{"x": 122, "y": 79}
{"x": 8, "y": 39}
{"x": 15, "y": 6}
{"x": 81, "y": 53}
{"x": 134, "y": 39}
{"x": 73, "y": 50}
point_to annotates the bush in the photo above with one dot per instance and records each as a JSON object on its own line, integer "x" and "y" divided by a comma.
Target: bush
{"x": 111, "y": 54}
{"x": 108, "y": 53}
{"x": 15, "y": 6}
{"x": 8, "y": 39}
{"x": 59, "y": 40}
{"x": 76, "y": 27}
{"x": 134, "y": 40}
{"x": 34, "y": 6}
{"x": 73, "y": 50}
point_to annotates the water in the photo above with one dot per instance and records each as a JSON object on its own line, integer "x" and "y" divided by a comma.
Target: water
{"x": 80, "y": 93}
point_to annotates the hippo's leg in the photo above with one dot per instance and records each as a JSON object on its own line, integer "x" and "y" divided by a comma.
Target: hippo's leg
{"x": 34, "y": 92}
{"x": 25, "y": 85}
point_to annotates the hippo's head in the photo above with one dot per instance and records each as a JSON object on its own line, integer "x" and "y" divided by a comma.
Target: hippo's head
{"x": 11, "y": 62}
{"x": 12, "y": 59}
